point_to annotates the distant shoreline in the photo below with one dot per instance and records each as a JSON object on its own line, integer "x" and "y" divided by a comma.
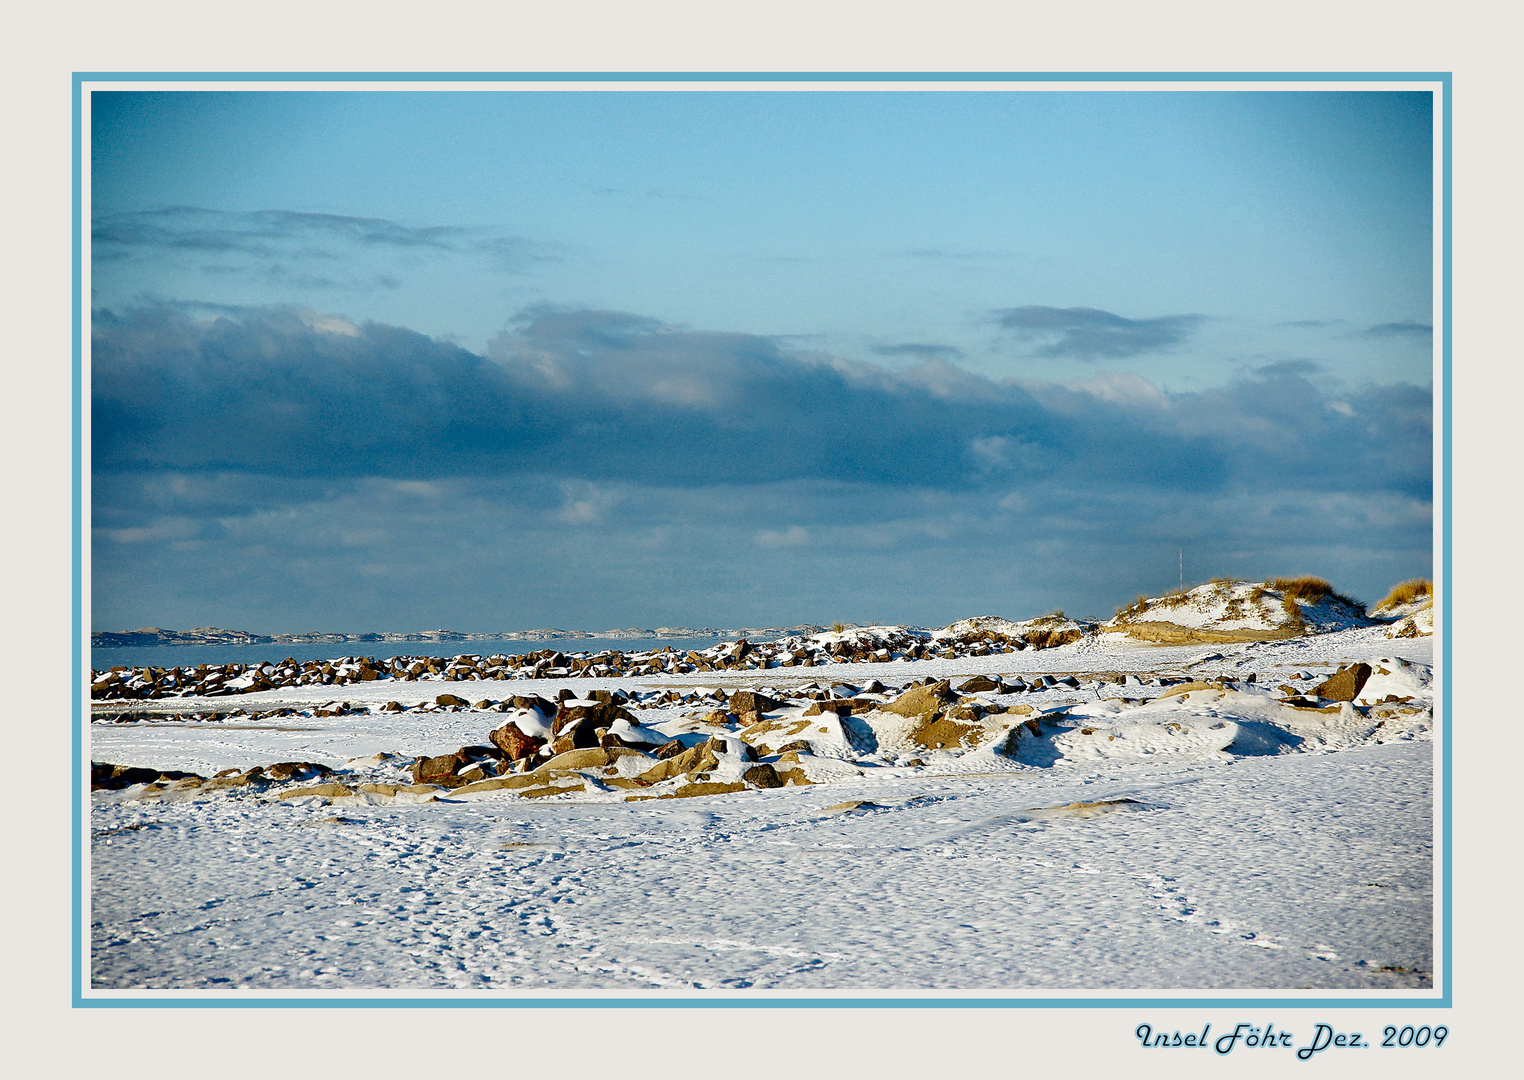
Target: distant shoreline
{"x": 148, "y": 637}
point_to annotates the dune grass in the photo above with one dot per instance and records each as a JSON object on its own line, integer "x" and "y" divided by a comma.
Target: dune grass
{"x": 1406, "y": 593}
{"x": 1137, "y": 607}
{"x": 1309, "y": 590}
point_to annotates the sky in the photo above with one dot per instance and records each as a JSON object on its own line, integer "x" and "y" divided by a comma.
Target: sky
{"x": 503, "y": 360}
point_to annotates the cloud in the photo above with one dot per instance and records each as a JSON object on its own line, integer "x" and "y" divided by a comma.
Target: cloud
{"x": 598, "y": 395}
{"x": 1091, "y": 334}
{"x": 793, "y": 536}
{"x": 1413, "y": 330}
{"x": 967, "y": 255}
{"x": 919, "y": 351}
{"x": 291, "y": 237}
{"x": 258, "y": 232}
{"x": 1288, "y": 367}
{"x": 244, "y": 460}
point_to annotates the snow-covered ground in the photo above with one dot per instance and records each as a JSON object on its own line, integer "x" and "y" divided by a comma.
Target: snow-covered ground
{"x": 1223, "y": 839}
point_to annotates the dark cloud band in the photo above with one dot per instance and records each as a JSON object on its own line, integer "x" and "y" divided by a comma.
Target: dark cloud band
{"x": 1084, "y": 333}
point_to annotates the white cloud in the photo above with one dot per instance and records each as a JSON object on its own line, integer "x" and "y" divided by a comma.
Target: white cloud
{"x": 793, "y": 536}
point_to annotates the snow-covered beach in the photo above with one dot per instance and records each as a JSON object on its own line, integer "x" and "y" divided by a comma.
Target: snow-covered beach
{"x": 1101, "y": 815}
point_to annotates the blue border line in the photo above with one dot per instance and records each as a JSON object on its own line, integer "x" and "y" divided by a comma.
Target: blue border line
{"x": 1446, "y": 428}
{"x": 766, "y": 76}
{"x": 1219, "y": 1004}
{"x": 1445, "y": 1000}
{"x": 76, "y": 460}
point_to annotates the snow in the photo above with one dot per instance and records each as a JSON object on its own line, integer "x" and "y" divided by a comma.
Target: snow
{"x": 1110, "y": 834}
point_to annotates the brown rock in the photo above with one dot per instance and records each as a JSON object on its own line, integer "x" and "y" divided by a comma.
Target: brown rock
{"x": 514, "y": 744}
{"x": 920, "y": 700}
{"x": 695, "y": 760}
{"x": 762, "y": 776}
{"x": 979, "y": 684}
{"x": 591, "y": 758}
{"x": 295, "y": 770}
{"x": 449, "y": 699}
{"x": 745, "y": 701}
{"x": 1344, "y": 684}
{"x": 327, "y": 791}
{"x": 439, "y": 770}
{"x": 533, "y": 701}
{"x": 689, "y": 791}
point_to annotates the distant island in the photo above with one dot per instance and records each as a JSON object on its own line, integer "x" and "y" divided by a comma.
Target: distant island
{"x": 212, "y": 635}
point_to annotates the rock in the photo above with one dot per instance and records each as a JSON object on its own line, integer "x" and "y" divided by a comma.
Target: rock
{"x": 689, "y": 791}
{"x": 282, "y": 771}
{"x": 670, "y": 750}
{"x": 762, "y": 776}
{"x": 449, "y": 699}
{"x": 108, "y": 777}
{"x": 439, "y": 770}
{"x": 533, "y": 701}
{"x": 796, "y": 745}
{"x": 920, "y": 700}
{"x": 594, "y": 715}
{"x": 514, "y": 744}
{"x": 393, "y": 789}
{"x": 979, "y": 684}
{"x": 695, "y": 760}
{"x": 393, "y": 706}
{"x": 1344, "y": 684}
{"x": 327, "y": 791}
{"x": 590, "y": 758}
{"x": 745, "y": 701}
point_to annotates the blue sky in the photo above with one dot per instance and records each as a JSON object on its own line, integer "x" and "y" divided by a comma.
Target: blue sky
{"x": 510, "y": 359}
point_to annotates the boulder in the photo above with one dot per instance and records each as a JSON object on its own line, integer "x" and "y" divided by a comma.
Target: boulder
{"x": 920, "y": 700}
{"x": 695, "y": 760}
{"x": 449, "y": 699}
{"x": 515, "y": 745}
{"x": 439, "y": 770}
{"x": 979, "y": 684}
{"x": 533, "y": 701}
{"x": 592, "y": 715}
{"x": 108, "y": 777}
{"x": 762, "y": 776}
{"x": 1344, "y": 684}
{"x": 326, "y": 791}
{"x": 282, "y": 771}
{"x": 745, "y": 701}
